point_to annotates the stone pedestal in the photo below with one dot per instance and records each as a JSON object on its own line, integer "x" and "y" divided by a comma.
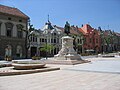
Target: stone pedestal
{"x": 67, "y": 52}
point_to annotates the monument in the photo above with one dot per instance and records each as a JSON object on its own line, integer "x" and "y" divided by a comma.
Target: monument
{"x": 67, "y": 54}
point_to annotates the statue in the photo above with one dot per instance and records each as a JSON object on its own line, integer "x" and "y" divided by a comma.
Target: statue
{"x": 67, "y": 28}
{"x": 67, "y": 51}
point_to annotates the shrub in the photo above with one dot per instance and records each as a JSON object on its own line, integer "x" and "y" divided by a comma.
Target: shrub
{"x": 35, "y": 58}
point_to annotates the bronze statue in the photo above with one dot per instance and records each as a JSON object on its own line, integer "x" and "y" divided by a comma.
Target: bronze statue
{"x": 67, "y": 28}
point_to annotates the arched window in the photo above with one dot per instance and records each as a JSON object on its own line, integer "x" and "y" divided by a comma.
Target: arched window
{"x": 9, "y": 27}
{"x": 8, "y": 51}
{"x": 19, "y": 51}
{"x": 19, "y": 30}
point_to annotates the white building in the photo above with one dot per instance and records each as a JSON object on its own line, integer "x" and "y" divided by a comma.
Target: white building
{"x": 49, "y": 34}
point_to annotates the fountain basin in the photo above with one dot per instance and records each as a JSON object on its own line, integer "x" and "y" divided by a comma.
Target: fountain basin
{"x": 27, "y": 66}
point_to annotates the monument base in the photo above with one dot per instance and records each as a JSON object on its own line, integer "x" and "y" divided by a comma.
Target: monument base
{"x": 64, "y": 62}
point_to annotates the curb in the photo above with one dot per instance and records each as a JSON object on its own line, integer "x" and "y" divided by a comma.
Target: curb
{"x": 28, "y": 72}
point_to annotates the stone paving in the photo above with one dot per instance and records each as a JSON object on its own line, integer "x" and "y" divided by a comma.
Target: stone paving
{"x": 67, "y": 79}
{"x": 104, "y": 65}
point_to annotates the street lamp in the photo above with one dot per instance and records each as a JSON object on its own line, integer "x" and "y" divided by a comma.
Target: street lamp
{"x": 46, "y": 34}
{"x": 46, "y": 46}
{"x": 92, "y": 40}
{"x": 102, "y": 42}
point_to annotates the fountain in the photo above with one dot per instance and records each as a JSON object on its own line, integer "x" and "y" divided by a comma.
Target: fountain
{"x": 27, "y": 64}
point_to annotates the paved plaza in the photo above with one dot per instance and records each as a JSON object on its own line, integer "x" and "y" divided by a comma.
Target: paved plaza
{"x": 100, "y": 74}
{"x": 103, "y": 65}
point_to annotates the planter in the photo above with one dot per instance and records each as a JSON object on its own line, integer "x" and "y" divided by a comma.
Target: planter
{"x": 35, "y": 58}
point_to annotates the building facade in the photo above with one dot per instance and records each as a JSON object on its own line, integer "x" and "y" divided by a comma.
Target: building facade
{"x": 86, "y": 40}
{"x": 92, "y": 40}
{"x": 12, "y": 38}
{"x": 109, "y": 41}
{"x": 48, "y": 35}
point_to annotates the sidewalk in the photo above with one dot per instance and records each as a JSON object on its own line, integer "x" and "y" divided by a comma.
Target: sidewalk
{"x": 66, "y": 79}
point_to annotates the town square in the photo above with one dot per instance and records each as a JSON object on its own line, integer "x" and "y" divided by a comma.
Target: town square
{"x": 59, "y": 45}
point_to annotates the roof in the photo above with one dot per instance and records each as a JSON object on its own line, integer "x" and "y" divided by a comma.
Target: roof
{"x": 85, "y": 29}
{"x": 118, "y": 34}
{"x": 60, "y": 28}
{"x": 12, "y": 11}
{"x": 82, "y": 31}
{"x": 74, "y": 30}
{"x": 48, "y": 26}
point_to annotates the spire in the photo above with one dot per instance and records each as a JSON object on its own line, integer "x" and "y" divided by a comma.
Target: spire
{"x": 48, "y": 25}
{"x": 48, "y": 18}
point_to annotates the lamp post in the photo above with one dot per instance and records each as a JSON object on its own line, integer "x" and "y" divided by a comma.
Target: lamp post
{"x": 94, "y": 48}
{"x": 102, "y": 42}
{"x": 46, "y": 46}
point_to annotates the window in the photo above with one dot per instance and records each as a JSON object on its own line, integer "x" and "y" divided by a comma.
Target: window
{"x": 9, "y": 27}
{"x": 19, "y": 51}
{"x": 20, "y": 20}
{"x": 90, "y": 40}
{"x": 96, "y": 40}
{"x": 45, "y": 40}
{"x": 42, "y": 40}
{"x": 51, "y": 40}
{"x": 9, "y": 33}
{"x": 9, "y": 18}
{"x": 54, "y": 40}
{"x": 19, "y": 30}
{"x": 34, "y": 39}
{"x": 78, "y": 40}
{"x": 19, "y": 34}
{"x": 55, "y": 34}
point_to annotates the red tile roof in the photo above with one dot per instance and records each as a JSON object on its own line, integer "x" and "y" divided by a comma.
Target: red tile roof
{"x": 12, "y": 11}
{"x": 82, "y": 31}
{"x": 86, "y": 29}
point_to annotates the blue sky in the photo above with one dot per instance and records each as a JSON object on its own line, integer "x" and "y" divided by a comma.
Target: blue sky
{"x": 104, "y": 13}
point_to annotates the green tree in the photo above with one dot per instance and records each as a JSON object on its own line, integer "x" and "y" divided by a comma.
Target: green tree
{"x": 28, "y": 32}
{"x": 47, "y": 48}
